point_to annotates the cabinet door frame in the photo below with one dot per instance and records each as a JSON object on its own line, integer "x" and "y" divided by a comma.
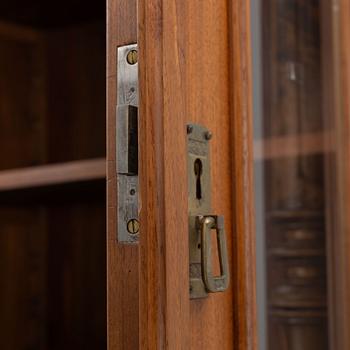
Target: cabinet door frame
{"x": 336, "y": 94}
{"x": 156, "y": 315}
{"x": 122, "y": 260}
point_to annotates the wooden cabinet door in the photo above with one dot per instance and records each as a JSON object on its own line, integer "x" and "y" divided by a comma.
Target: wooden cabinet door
{"x": 194, "y": 67}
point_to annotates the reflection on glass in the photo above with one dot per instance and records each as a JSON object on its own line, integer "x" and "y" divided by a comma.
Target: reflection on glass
{"x": 290, "y": 159}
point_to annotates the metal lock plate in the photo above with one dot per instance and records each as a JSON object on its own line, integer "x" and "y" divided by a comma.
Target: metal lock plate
{"x": 201, "y": 221}
{"x": 199, "y": 200}
{"x": 127, "y": 145}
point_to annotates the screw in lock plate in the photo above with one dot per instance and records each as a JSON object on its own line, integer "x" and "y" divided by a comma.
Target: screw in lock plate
{"x": 132, "y": 57}
{"x": 133, "y": 226}
{"x": 208, "y": 135}
{"x": 189, "y": 128}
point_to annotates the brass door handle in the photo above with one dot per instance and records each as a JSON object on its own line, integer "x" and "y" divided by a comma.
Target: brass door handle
{"x": 205, "y": 224}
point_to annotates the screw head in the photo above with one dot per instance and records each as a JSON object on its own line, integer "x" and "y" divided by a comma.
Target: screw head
{"x": 132, "y": 57}
{"x": 133, "y": 226}
{"x": 189, "y": 128}
{"x": 208, "y": 135}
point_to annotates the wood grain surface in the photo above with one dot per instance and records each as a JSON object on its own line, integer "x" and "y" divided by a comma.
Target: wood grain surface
{"x": 122, "y": 260}
{"x": 75, "y": 93}
{"x": 164, "y": 292}
{"x": 22, "y": 141}
{"x": 336, "y": 92}
{"x": 22, "y": 69}
{"x": 195, "y": 67}
{"x": 194, "y": 63}
{"x": 23, "y": 273}
{"x": 244, "y": 280}
{"x": 76, "y": 279}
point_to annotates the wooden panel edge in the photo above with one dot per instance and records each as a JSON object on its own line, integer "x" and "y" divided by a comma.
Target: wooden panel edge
{"x": 122, "y": 260}
{"x": 336, "y": 80}
{"x": 244, "y": 280}
{"x": 164, "y": 296}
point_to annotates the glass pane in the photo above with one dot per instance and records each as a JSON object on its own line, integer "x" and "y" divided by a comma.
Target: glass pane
{"x": 292, "y": 175}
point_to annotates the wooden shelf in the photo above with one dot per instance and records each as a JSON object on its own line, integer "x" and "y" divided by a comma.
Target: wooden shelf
{"x": 294, "y": 145}
{"x": 53, "y": 174}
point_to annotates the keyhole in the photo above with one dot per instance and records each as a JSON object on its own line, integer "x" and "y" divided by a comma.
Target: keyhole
{"x": 198, "y": 169}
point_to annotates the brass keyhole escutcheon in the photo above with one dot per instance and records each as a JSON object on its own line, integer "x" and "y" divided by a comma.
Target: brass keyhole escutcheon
{"x": 201, "y": 219}
{"x": 198, "y": 171}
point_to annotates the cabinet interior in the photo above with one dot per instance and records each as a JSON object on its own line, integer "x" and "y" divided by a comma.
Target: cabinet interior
{"x": 52, "y": 175}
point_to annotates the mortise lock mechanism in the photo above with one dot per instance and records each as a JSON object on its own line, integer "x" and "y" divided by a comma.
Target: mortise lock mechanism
{"x": 127, "y": 145}
{"x": 201, "y": 220}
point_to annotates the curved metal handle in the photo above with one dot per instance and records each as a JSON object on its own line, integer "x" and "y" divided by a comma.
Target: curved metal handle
{"x": 212, "y": 283}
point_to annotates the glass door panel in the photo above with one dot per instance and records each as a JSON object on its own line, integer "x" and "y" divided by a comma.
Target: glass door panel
{"x": 293, "y": 148}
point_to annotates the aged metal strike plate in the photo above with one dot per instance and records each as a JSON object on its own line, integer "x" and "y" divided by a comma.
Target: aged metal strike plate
{"x": 199, "y": 201}
{"x": 127, "y": 145}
